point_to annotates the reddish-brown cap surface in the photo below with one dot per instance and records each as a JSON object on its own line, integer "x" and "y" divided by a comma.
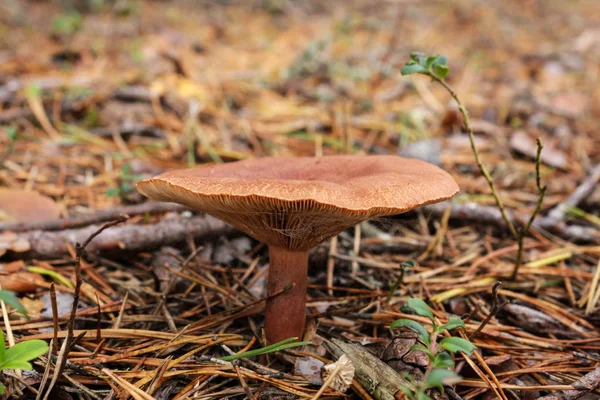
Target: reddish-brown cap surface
{"x": 298, "y": 202}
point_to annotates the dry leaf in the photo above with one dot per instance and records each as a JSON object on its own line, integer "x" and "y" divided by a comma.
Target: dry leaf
{"x": 12, "y": 242}
{"x": 26, "y": 206}
{"x": 13, "y": 276}
{"x": 523, "y": 143}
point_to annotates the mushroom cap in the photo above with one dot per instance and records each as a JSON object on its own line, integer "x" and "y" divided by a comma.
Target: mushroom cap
{"x": 298, "y": 202}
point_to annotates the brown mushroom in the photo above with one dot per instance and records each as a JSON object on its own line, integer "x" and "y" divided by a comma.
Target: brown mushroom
{"x": 294, "y": 203}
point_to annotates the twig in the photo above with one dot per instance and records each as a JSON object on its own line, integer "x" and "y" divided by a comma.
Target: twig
{"x": 585, "y": 188}
{"x": 518, "y": 235}
{"x": 541, "y": 194}
{"x": 379, "y": 379}
{"x": 124, "y": 238}
{"x": 482, "y": 167}
{"x": 67, "y": 344}
{"x": 496, "y": 307}
{"x": 150, "y": 207}
{"x": 582, "y": 386}
{"x": 55, "y": 325}
{"x": 399, "y": 281}
{"x": 491, "y": 215}
{"x": 328, "y": 382}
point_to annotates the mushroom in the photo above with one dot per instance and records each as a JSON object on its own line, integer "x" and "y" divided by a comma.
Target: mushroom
{"x": 292, "y": 204}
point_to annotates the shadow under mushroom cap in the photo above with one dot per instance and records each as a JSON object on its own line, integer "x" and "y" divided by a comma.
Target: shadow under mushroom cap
{"x": 298, "y": 202}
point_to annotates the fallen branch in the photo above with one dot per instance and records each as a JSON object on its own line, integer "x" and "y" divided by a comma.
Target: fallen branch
{"x": 377, "y": 378}
{"x": 124, "y": 238}
{"x": 76, "y": 221}
{"x": 491, "y": 215}
{"x": 585, "y": 188}
{"x": 496, "y": 307}
{"x": 581, "y": 387}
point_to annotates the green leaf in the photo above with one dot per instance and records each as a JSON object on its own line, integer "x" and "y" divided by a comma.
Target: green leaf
{"x": 453, "y": 323}
{"x": 441, "y": 71}
{"x": 420, "y": 347}
{"x": 18, "y": 355}
{"x": 440, "y": 377}
{"x": 454, "y": 344}
{"x": 408, "y": 392}
{"x": 12, "y": 132}
{"x": 441, "y": 60}
{"x": 429, "y": 62}
{"x": 408, "y": 264}
{"x": 423, "y": 396}
{"x": 414, "y": 326}
{"x": 413, "y": 68}
{"x": 113, "y": 192}
{"x": 284, "y": 344}
{"x": 2, "y": 346}
{"x": 443, "y": 360}
{"x": 11, "y": 299}
{"x": 16, "y": 364}
{"x": 421, "y": 308}
{"x": 417, "y": 56}
{"x": 1, "y": 388}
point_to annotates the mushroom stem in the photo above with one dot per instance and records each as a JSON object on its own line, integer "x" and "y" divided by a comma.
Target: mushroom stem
{"x": 285, "y": 313}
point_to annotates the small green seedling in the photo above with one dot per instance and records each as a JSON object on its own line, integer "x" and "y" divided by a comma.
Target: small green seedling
{"x": 12, "y": 132}
{"x": 406, "y": 265}
{"x": 11, "y": 299}
{"x": 127, "y": 181}
{"x": 433, "y": 66}
{"x": 19, "y": 355}
{"x": 438, "y": 373}
{"x": 436, "y": 67}
{"x": 67, "y": 23}
{"x": 284, "y": 344}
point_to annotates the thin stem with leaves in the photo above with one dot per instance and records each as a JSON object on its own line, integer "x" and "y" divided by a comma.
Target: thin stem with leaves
{"x": 437, "y": 69}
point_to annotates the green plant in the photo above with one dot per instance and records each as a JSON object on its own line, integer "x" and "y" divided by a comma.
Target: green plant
{"x": 284, "y": 344}
{"x": 13, "y": 135}
{"x": 126, "y": 182}
{"x": 11, "y": 299}
{"x": 438, "y": 373}
{"x": 404, "y": 266}
{"x": 19, "y": 355}
{"x": 67, "y": 24}
{"x": 436, "y": 67}
{"x": 12, "y": 132}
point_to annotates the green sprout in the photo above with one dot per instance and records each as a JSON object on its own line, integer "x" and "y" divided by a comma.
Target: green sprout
{"x": 126, "y": 181}
{"x": 284, "y": 344}
{"x": 434, "y": 66}
{"x": 19, "y": 355}
{"x": 11, "y": 299}
{"x": 439, "y": 371}
{"x": 67, "y": 24}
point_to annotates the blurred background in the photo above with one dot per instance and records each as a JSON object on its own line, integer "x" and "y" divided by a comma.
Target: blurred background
{"x": 96, "y": 94}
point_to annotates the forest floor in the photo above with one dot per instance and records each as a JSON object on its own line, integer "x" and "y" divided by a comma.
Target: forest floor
{"x": 95, "y": 100}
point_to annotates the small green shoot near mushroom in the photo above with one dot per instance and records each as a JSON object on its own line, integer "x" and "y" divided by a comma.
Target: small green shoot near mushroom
{"x": 19, "y": 355}
{"x": 279, "y": 346}
{"x": 11, "y": 300}
{"x": 438, "y": 371}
